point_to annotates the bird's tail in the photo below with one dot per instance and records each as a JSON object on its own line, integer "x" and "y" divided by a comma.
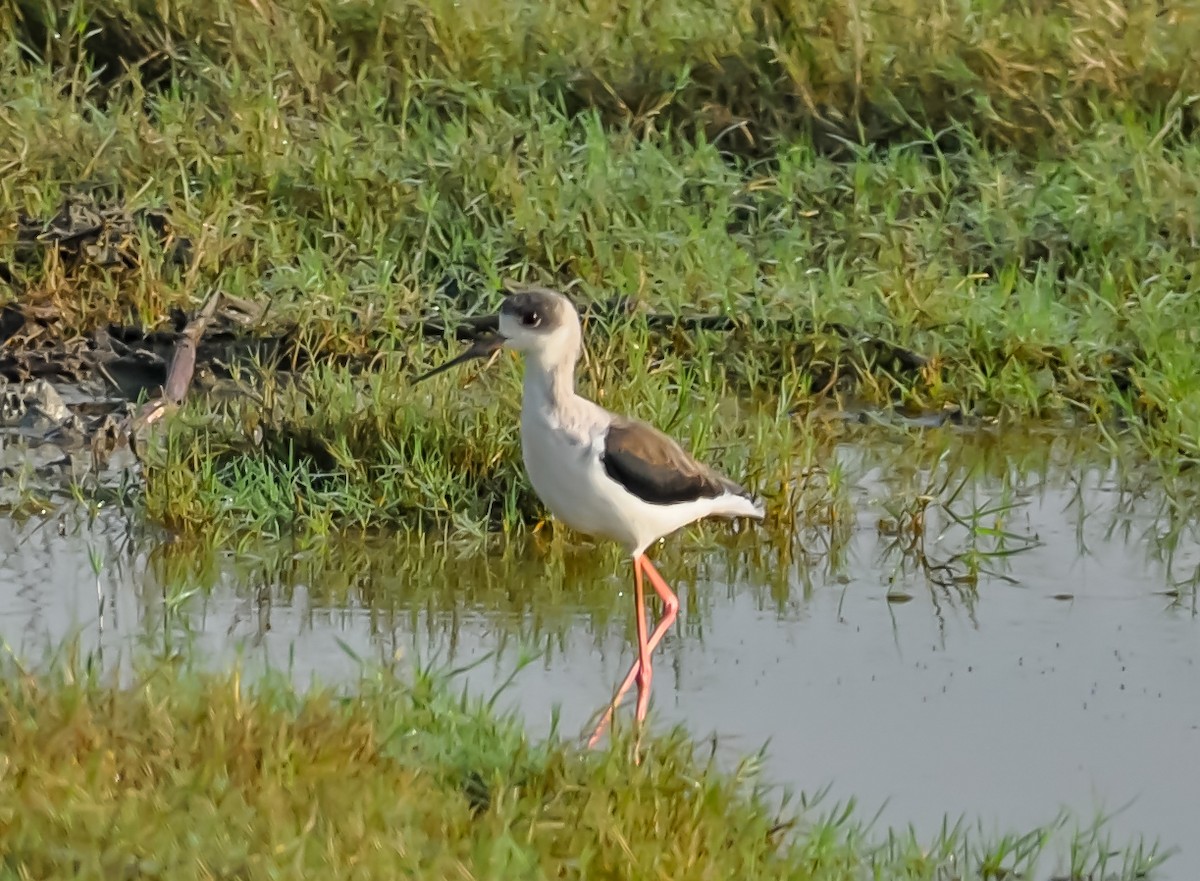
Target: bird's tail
{"x": 743, "y": 505}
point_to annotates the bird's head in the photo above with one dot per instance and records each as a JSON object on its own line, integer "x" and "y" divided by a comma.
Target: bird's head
{"x": 540, "y": 323}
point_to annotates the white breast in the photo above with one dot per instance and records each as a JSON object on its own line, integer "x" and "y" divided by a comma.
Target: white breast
{"x": 562, "y": 460}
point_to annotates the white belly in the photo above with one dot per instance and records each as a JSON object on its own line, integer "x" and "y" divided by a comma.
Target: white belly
{"x": 567, "y": 476}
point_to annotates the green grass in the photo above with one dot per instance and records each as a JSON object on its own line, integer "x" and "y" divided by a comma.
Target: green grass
{"x": 340, "y": 450}
{"x": 1012, "y": 190}
{"x": 177, "y": 773}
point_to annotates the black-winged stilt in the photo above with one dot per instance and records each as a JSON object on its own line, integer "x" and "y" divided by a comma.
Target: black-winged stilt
{"x": 601, "y": 473}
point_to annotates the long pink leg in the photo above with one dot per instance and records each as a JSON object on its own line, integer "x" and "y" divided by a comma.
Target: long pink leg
{"x": 645, "y": 672}
{"x": 670, "y": 604}
{"x": 644, "y": 648}
{"x": 670, "y": 611}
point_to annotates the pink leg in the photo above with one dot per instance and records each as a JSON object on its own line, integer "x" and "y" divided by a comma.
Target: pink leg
{"x": 644, "y": 671}
{"x": 670, "y": 611}
{"x": 644, "y": 648}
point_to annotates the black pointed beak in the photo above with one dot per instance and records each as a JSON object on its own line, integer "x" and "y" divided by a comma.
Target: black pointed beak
{"x": 484, "y": 347}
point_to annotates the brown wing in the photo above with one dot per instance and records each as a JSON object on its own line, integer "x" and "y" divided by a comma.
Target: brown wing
{"x": 657, "y": 470}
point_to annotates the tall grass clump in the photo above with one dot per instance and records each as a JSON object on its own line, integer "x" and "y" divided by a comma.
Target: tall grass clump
{"x": 340, "y": 448}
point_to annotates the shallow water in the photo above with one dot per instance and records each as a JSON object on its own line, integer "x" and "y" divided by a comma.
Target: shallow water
{"x": 1068, "y": 678}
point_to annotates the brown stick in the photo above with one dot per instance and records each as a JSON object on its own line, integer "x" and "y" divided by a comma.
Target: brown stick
{"x": 183, "y": 361}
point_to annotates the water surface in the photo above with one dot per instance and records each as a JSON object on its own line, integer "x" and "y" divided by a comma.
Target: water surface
{"x": 1000, "y": 667}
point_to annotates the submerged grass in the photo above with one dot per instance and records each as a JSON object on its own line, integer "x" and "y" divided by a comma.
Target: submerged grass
{"x": 176, "y": 773}
{"x": 945, "y": 510}
{"x": 1012, "y": 190}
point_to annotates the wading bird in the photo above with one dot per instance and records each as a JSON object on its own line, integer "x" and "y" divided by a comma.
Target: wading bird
{"x": 601, "y": 473}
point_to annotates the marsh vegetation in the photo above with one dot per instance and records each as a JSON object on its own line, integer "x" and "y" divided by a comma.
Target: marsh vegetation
{"x": 796, "y": 229}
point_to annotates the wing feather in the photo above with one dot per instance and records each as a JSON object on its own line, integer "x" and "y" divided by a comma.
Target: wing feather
{"x": 656, "y": 469}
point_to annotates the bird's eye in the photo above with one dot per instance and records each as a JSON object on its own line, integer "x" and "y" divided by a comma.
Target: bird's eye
{"x": 531, "y": 319}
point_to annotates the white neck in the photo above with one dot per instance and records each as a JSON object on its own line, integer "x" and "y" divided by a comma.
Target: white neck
{"x": 549, "y": 383}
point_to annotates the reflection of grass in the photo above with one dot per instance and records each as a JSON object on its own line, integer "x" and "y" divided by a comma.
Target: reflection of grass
{"x": 985, "y": 539}
{"x": 179, "y": 774}
{"x": 544, "y": 594}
